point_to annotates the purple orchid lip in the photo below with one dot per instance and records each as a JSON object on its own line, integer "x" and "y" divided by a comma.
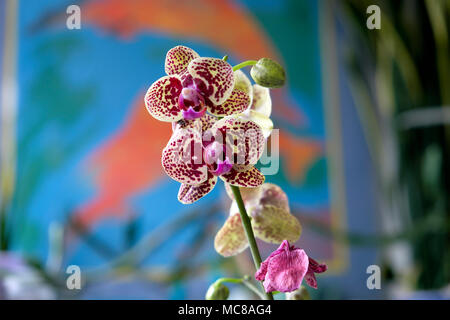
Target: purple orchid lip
{"x": 191, "y": 114}
{"x": 222, "y": 167}
{"x": 192, "y": 104}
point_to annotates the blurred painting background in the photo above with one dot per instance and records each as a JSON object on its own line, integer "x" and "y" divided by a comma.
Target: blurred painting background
{"x": 364, "y": 145}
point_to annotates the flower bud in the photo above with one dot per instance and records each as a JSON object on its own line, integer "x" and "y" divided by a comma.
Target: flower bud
{"x": 268, "y": 73}
{"x": 217, "y": 291}
{"x": 299, "y": 294}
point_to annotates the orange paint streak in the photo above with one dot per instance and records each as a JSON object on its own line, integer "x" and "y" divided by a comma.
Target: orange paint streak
{"x": 298, "y": 155}
{"x": 221, "y": 23}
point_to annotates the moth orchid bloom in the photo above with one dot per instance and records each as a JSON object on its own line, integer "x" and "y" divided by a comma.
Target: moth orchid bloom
{"x": 272, "y": 221}
{"x": 200, "y": 151}
{"x": 194, "y": 85}
{"x": 285, "y": 269}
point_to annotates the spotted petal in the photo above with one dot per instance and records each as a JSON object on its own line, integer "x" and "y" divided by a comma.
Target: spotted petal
{"x": 273, "y": 224}
{"x": 239, "y": 100}
{"x": 244, "y": 136}
{"x": 182, "y": 157}
{"x": 250, "y": 178}
{"x": 189, "y": 194}
{"x": 178, "y": 59}
{"x": 236, "y": 103}
{"x": 273, "y": 195}
{"x": 271, "y": 217}
{"x": 231, "y": 239}
{"x": 213, "y": 77}
{"x": 161, "y": 99}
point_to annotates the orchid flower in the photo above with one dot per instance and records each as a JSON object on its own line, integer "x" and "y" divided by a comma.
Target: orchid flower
{"x": 194, "y": 85}
{"x": 200, "y": 151}
{"x": 271, "y": 220}
{"x": 285, "y": 269}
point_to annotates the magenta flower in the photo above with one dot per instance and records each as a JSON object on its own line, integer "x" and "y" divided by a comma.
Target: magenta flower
{"x": 285, "y": 269}
{"x": 200, "y": 151}
{"x": 194, "y": 85}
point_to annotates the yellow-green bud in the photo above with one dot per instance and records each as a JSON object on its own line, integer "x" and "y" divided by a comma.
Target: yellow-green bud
{"x": 268, "y": 73}
{"x": 299, "y": 294}
{"x": 217, "y": 291}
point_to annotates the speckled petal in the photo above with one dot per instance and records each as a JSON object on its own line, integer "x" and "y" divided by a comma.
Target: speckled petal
{"x": 250, "y": 178}
{"x": 189, "y": 194}
{"x": 245, "y": 137}
{"x": 231, "y": 239}
{"x": 239, "y": 100}
{"x": 178, "y": 59}
{"x": 273, "y": 195}
{"x": 272, "y": 224}
{"x": 271, "y": 217}
{"x": 182, "y": 157}
{"x": 161, "y": 99}
{"x": 262, "y": 102}
{"x": 236, "y": 103}
{"x": 213, "y": 77}
{"x": 207, "y": 122}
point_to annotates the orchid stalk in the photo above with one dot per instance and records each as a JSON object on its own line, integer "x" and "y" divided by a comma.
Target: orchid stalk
{"x": 249, "y": 232}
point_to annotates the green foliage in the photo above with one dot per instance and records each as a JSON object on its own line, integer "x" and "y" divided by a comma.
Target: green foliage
{"x": 400, "y": 76}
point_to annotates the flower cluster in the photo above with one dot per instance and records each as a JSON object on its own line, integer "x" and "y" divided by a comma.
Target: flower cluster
{"x": 220, "y": 123}
{"x": 219, "y": 120}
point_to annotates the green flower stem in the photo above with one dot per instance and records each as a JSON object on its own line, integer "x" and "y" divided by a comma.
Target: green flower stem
{"x": 249, "y": 232}
{"x": 230, "y": 280}
{"x": 244, "y": 64}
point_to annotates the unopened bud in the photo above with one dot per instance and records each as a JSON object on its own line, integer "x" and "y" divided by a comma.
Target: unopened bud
{"x": 299, "y": 294}
{"x": 217, "y": 291}
{"x": 268, "y": 73}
